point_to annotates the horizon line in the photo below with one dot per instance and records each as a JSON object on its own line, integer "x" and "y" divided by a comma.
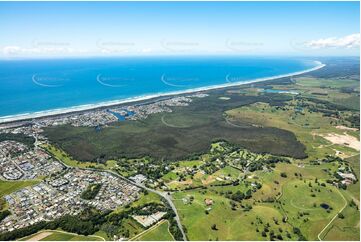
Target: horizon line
{"x": 173, "y": 55}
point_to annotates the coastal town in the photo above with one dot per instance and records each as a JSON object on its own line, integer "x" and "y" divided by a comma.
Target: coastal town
{"x": 103, "y": 116}
{"x": 60, "y": 190}
{"x": 62, "y": 194}
{"x": 18, "y": 162}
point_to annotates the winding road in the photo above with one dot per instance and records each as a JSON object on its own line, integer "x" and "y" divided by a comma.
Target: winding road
{"x": 162, "y": 194}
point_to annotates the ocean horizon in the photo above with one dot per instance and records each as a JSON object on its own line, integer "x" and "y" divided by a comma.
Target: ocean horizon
{"x": 34, "y": 88}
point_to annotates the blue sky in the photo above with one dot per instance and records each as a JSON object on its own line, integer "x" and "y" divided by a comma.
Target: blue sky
{"x": 35, "y": 29}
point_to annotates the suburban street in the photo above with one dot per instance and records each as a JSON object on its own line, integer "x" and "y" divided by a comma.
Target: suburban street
{"x": 162, "y": 194}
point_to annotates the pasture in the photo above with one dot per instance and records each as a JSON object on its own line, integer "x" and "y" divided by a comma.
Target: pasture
{"x": 310, "y": 206}
{"x": 230, "y": 224}
{"x": 307, "y": 126}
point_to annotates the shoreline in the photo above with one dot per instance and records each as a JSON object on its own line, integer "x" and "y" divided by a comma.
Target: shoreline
{"x": 87, "y": 107}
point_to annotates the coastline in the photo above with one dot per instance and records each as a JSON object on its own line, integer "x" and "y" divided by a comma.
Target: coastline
{"x": 87, "y": 107}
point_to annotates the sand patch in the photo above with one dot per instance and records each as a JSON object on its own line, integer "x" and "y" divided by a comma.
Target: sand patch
{"x": 345, "y": 128}
{"x": 342, "y": 139}
{"x": 40, "y": 236}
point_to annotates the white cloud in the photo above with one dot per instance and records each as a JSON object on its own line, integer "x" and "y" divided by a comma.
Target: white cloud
{"x": 349, "y": 41}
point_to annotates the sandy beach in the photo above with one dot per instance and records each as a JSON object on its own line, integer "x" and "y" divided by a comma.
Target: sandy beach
{"x": 86, "y": 107}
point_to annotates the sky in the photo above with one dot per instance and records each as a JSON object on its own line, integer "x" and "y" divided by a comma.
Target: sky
{"x": 58, "y": 29}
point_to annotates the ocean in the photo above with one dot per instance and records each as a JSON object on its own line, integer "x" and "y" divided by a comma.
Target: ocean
{"x": 55, "y": 85}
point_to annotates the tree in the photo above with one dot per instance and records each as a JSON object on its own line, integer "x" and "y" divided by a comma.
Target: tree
{"x": 283, "y": 174}
{"x": 238, "y": 196}
{"x": 214, "y": 227}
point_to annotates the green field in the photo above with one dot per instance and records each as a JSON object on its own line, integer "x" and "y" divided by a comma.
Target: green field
{"x": 231, "y": 225}
{"x": 326, "y": 83}
{"x": 190, "y": 163}
{"x": 347, "y": 228}
{"x": 68, "y": 237}
{"x": 159, "y": 233}
{"x": 68, "y": 160}
{"x": 307, "y": 126}
{"x": 7, "y": 187}
{"x": 132, "y": 226}
{"x": 300, "y": 199}
{"x": 297, "y": 199}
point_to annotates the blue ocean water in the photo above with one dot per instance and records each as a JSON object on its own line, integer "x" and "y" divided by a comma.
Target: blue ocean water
{"x": 28, "y": 86}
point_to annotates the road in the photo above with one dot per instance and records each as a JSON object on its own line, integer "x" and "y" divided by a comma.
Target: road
{"x": 319, "y": 235}
{"x": 162, "y": 194}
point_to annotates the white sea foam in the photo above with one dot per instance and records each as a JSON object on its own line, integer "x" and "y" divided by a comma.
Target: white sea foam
{"x": 85, "y": 107}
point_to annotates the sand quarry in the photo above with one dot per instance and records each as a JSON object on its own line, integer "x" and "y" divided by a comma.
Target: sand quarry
{"x": 342, "y": 139}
